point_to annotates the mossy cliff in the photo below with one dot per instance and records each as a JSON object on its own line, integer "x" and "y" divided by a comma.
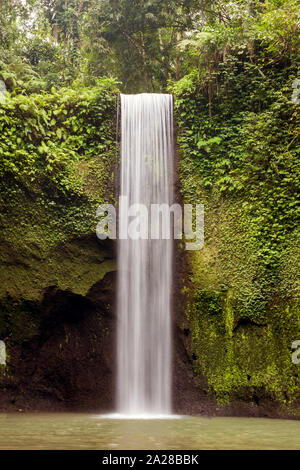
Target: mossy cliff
{"x": 239, "y": 304}
{"x": 239, "y": 157}
{"x": 58, "y": 157}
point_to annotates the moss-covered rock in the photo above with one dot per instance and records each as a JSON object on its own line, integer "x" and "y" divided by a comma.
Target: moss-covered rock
{"x": 240, "y": 338}
{"x": 239, "y": 159}
{"x": 57, "y": 165}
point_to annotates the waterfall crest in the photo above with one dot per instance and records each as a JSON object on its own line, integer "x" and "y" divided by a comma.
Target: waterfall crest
{"x": 145, "y": 265}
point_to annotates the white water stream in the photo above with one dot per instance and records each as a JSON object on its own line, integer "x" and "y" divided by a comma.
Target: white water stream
{"x": 145, "y": 265}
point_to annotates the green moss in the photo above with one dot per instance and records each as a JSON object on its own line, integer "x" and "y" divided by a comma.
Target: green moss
{"x": 241, "y": 339}
{"x": 243, "y": 288}
{"x": 50, "y": 196}
{"x": 211, "y": 301}
{"x": 228, "y": 312}
{"x": 19, "y": 319}
{"x": 33, "y": 263}
{"x": 239, "y": 361}
{"x": 238, "y": 158}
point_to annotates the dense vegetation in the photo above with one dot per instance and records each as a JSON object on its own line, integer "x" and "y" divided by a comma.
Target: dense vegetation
{"x": 58, "y": 155}
{"x": 232, "y": 67}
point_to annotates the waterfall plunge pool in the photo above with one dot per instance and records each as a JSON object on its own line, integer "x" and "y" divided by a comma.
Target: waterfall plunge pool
{"x": 89, "y": 431}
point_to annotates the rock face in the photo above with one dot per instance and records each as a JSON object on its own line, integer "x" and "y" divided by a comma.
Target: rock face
{"x": 56, "y": 278}
{"x": 61, "y": 342}
{"x": 243, "y": 362}
{"x": 240, "y": 292}
{"x": 204, "y": 356}
{"x": 232, "y": 347}
{"x": 68, "y": 362}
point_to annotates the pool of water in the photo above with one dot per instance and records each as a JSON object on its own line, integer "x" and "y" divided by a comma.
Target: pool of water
{"x": 85, "y": 431}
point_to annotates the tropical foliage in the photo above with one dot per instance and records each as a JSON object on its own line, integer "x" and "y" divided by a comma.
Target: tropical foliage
{"x": 233, "y": 67}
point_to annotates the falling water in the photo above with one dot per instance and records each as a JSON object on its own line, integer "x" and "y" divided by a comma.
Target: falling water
{"x": 145, "y": 265}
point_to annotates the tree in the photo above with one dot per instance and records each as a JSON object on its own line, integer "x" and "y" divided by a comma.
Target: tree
{"x": 141, "y": 37}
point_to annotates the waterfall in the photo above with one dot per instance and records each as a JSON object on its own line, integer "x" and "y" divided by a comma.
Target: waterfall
{"x": 144, "y": 264}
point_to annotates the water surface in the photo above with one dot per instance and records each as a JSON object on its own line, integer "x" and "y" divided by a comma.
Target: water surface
{"x": 84, "y": 431}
